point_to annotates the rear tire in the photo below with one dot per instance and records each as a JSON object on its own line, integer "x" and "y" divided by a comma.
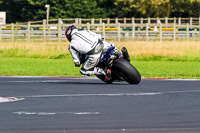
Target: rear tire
{"x": 127, "y": 71}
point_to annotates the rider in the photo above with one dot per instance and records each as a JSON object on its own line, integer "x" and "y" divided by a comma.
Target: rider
{"x": 87, "y": 43}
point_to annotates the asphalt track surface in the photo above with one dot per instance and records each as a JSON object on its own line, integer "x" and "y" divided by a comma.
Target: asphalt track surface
{"x": 78, "y": 105}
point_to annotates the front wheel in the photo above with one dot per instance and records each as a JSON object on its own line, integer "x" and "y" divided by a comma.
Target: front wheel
{"x": 127, "y": 71}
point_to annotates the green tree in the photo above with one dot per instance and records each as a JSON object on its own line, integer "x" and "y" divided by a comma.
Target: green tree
{"x": 159, "y": 8}
{"x": 184, "y": 8}
{"x": 145, "y": 8}
{"x": 195, "y": 8}
{"x": 25, "y": 10}
{"x": 29, "y": 10}
{"x": 22, "y": 10}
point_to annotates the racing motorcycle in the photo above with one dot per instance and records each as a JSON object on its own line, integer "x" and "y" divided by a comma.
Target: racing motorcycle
{"x": 118, "y": 68}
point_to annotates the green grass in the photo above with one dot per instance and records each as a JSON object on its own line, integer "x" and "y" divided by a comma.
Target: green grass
{"x": 53, "y": 54}
{"x": 168, "y": 69}
{"x": 65, "y": 67}
{"x": 153, "y": 59}
{"x": 167, "y": 58}
{"x": 37, "y": 67}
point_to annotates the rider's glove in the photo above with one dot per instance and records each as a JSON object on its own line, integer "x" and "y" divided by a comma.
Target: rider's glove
{"x": 77, "y": 64}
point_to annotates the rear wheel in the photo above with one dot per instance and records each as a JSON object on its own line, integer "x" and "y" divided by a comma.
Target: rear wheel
{"x": 127, "y": 71}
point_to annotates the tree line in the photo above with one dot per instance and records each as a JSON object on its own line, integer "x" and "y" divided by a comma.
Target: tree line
{"x": 29, "y": 10}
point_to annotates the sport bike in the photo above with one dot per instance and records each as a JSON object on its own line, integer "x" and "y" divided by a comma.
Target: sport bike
{"x": 118, "y": 68}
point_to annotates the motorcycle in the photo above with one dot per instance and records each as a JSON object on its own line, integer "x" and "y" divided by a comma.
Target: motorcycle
{"x": 117, "y": 68}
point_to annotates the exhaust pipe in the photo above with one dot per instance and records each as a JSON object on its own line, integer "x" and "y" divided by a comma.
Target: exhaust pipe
{"x": 125, "y": 54}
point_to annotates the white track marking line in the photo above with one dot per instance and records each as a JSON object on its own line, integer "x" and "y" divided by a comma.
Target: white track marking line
{"x": 55, "y": 113}
{"x": 48, "y": 77}
{"x": 160, "y": 79}
{"x": 182, "y": 79}
{"x": 10, "y": 99}
{"x": 114, "y": 94}
{"x": 86, "y": 113}
{"x": 45, "y": 81}
{"x": 19, "y": 98}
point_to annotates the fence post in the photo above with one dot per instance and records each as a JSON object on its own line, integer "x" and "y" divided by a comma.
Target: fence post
{"x": 174, "y": 32}
{"x": 80, "y": 22}
{"x": 158, "y": 20}
{"x": 199, "y": 27}
{"x": 59, "y": 29}
{"x": 179, "y": 21}
{"x": 124, "y": 20}
{"x": 76, "y": 21}
{"x": 147, "y": 32}
{"x": 141, "y": 21}
{"x": 108, "y": 21}
{"x": 29, "y": 31}
{"x": 187, "y": 31}
{"x": 118, "y": 31}
{"x": 92, "y": 22}
{"x": 174, "y": 20}
{"x": 0, "y": 33}
{"x": 116, "y": 20}
{"x": 16, "y": 31}
{"x": 160, "y": 31}
{"x": 100, "y": 21}
{"x": 88, "y": 26}
{"x": 12, "y": 32}
{"x": 44, "y": 30}
{"x": 199, "y": 22}
{"x": 190, "y": 20}
{"x": 104, "y": 32}
{"x": 133, "y": 20}
{"x": 166, "y": 20}
{"x": 133, "y": 31}
{"x": 149, "y": 20}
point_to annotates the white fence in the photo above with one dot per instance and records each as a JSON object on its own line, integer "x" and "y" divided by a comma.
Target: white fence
{"x": 118, "y": 28}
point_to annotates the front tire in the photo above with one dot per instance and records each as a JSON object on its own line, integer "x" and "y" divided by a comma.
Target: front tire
{"x": 127, "y": 71}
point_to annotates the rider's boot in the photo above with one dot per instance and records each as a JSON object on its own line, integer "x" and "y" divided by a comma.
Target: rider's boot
{"x": 99, "y": 71}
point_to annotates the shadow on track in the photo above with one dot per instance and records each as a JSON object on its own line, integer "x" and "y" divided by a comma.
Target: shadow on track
{"x": 86, "y": 83}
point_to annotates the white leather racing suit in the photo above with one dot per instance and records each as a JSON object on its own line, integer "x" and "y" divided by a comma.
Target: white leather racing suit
{"x": 90, "y": 44}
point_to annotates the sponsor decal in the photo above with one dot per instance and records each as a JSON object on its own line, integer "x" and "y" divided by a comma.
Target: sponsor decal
{"x": 69, "y": 31}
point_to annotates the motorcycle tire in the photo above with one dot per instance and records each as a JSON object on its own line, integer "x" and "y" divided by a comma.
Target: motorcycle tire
{"x": 127, "y": 71}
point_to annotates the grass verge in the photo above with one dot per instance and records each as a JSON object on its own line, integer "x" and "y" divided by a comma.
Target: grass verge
{"x": 154, "y": 59}
{"x": 65, "y": 67}
{"x": 137, "y": 49}
{"x": 37, "y": 67}
{"x": 168, "y": 69}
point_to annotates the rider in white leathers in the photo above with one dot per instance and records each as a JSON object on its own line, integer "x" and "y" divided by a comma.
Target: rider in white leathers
{"x": 90, "y": 44}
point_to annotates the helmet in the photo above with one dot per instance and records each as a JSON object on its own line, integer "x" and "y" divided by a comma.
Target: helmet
{"x": 68, "y": 32}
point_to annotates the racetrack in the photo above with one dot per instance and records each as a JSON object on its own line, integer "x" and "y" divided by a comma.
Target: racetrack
{"x": 82, "y": 105}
